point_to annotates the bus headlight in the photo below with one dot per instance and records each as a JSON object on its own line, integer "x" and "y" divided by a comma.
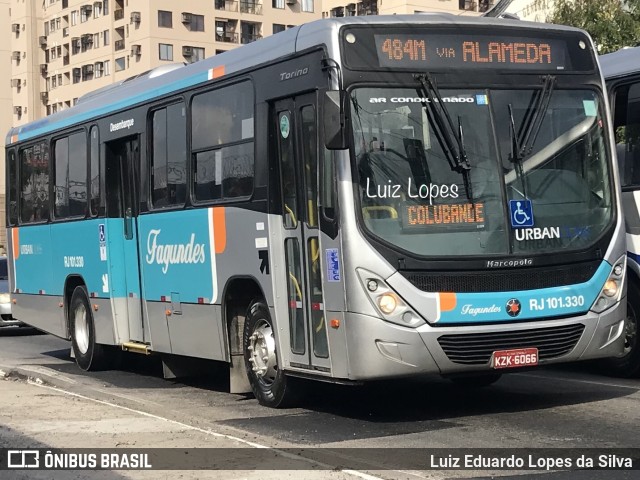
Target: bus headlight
{"x": 5, "y": 298}
{"x": 387, "y": 302}
{"x": 612, "y": 289}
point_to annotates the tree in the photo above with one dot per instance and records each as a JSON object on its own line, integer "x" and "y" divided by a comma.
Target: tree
{"x": 613, "y": 24}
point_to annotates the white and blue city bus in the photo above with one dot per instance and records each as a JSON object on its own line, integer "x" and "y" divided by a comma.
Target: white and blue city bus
{"x": 350, "y": 200}
{"x": 622, "y": 74}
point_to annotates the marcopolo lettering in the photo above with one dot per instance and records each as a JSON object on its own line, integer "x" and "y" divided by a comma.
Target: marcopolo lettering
{"x": 121, "y": 125}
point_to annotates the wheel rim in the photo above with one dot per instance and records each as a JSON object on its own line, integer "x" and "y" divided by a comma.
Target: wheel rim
{"x": 630, "y": 330}
{"x": 262, "y": 352}
{"x": 81, "y": 329}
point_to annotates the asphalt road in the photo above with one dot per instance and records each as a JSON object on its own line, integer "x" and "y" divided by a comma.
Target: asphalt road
{"x": 556, "y": 408}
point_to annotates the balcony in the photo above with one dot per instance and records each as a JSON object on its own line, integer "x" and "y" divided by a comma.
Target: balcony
{"x": 227, "y": 5}
{"x": 249, "y": 37}
{"x": 227, "y": 37}
{"x": 119, "y": 45}
{"x": 250, "y": 7}
{"x": 118, "y": 14}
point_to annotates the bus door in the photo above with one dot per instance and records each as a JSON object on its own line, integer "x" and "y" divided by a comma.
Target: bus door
{"x": 122, "y": 174}
{"x": 295, "y": 125}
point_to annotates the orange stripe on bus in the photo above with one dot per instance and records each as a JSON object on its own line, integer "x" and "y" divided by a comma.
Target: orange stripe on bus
{"x": 14, "y": 138}
{"x": 218, "y": 71}
{"x": 219, "y": 229}
{"x": 448, "y": 301}
{"x": 15, "y": 236}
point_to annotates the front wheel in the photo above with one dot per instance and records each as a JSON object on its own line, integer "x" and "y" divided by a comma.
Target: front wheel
{"x": 628, "y": 365}
{"x": 89, "y": 354}
{"x": 268, "y": 381}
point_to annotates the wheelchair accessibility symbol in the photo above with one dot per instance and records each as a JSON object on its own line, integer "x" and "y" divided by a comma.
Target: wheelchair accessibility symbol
{"x": 521, "y": 213}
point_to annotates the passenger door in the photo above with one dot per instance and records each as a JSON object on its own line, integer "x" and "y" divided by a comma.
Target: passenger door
{"x": 295, "y": 125}
{"x": 122, "y": 173}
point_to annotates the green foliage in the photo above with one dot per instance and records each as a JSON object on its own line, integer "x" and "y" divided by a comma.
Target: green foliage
{"x": 613, "y": 24}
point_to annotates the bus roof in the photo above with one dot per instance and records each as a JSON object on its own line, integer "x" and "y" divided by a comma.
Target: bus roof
{"x": 163, "y": 81}
{"x": 623, "y": 62}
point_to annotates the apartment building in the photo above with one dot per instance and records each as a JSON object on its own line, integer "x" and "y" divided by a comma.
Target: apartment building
{"x": 346, "y": 8}
{"x": 6, "y": 103}
{"x": 62, "y": 49}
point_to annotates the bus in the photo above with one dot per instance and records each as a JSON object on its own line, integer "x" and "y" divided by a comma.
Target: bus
{"x": 353, "y": 199}
{"x": 621, "y": 70}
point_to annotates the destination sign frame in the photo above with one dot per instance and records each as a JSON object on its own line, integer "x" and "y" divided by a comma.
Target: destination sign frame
{"x": 363, "y": 48}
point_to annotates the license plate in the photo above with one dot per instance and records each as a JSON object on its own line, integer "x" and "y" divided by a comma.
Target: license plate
{"x": 521, "y": 357}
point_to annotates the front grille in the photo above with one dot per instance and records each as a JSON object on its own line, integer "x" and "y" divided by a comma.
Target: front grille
{"x": 476, "y": 348}
{"x": 502, "y": 280}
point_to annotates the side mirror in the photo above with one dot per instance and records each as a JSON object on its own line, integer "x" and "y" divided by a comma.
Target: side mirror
{"x": 334, "y": 135}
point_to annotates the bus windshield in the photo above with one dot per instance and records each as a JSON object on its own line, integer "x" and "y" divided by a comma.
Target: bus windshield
{"x": 538, "y": 168}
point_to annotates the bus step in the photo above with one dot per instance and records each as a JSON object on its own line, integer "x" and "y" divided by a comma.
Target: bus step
{"x": 136, "y": 348}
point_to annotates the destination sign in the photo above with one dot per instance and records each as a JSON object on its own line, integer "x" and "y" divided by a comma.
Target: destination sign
{"x": 422, "y": 51}
{"x": 435, "y": 217}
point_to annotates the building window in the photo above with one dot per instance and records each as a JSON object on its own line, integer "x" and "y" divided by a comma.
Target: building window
{"x": 197, "y": 54}
{"x": 105, "y": 7}
{"x": 105, "y": 38}
{"x": 277, "y": 4}
{"x": 70, "y": 176}
{"x": 97, "y": 10}
{"x": 277, "y": 28}
{"x": 165, "y": 19}
{"x": 34, "y": 183}
{"x": 166, "y": 51}
{"x": 77, "y": 75}
{"x": 222, "y": 142}
{"x": 107, "y": 69}
{"x": 54, "y": 82}
{"x": 74, "y": 17}
{"x": 84, "y": 14}
{"x": 307, "y": 6}
{"x": 98, "y": 69}
{"x": 197, "y": 23}
{"x": 169, "y": 156}
{"x": 120, "y": 64}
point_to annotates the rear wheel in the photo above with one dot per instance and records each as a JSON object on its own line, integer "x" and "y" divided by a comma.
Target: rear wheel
{"x": 628, "y": 365}
{"x": 270, "y": 385}
{"x": 476, "y": 381}
{"x": 89, "y": 354}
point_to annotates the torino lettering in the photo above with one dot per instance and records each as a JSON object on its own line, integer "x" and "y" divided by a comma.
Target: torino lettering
{"x": 172, "y": 254}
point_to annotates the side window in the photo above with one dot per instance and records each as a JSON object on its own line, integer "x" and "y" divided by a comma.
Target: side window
{"x": 222, "y": 143}
{"x": 34, "y": 183}
{"x": 71, "y": 176}
{"x": 95, "y": 202}
{"x": 169, "y": 156}
{"x": 12, "y": 199}
{"x": 627, "y": 130}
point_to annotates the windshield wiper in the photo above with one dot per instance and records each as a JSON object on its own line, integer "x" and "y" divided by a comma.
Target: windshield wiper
{"x": 451, "y": 140}
{"x": 531, "y": 124}
{"x": 522, "y": 143}
{"x": 515, "y": 156}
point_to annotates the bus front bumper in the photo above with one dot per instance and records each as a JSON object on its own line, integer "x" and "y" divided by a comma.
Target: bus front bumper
{"x": 379, "y": 349}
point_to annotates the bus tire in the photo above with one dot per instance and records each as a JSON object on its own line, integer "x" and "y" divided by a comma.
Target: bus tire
{"x": 270, "y": 385}
{"x": 89, "y": 355}
{"x": 628, "y": 365}
{"x": 476, "y": 381}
